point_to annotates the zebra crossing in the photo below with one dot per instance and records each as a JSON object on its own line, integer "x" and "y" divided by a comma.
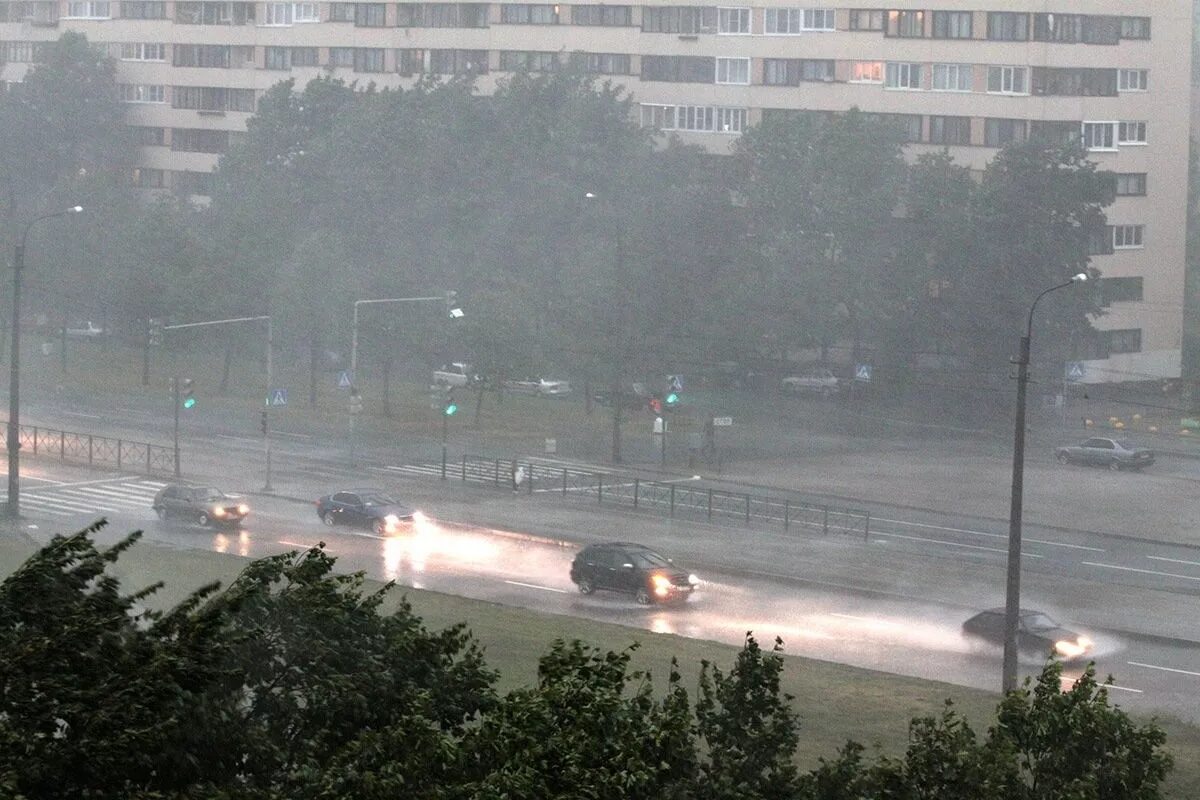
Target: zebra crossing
{"x": 105, "y": 496}
{"x": 453, "y": 468}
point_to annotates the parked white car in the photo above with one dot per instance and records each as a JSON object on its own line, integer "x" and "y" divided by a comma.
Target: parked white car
{"x": 817, "y": 381}
{"x": 540, "y": 386}
{"x": 87, "y": 330}
{"x": 456, "y": 374}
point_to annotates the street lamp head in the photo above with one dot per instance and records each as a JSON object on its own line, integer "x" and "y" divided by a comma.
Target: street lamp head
{"x": 76, "y": 209}
{"x": 589, "y": 195}
{"x": 1079, "y": 278}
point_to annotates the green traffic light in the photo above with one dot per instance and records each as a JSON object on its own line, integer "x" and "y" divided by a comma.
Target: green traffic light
{"x": 451, "y": 408}
{"x": 672, "y": 399}
{"x": 191, "y": 401}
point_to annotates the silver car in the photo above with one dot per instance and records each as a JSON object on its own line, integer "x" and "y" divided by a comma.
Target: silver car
{"x": 1116, "y": 454}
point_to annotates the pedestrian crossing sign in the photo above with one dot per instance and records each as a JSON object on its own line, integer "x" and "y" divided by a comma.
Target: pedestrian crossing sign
{"x": 344, "y": 379}
{"x": 278, "y": 398}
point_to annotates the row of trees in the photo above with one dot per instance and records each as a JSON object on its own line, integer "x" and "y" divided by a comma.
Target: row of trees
{"x": 294, "y": 683}
{"x": 577, "y": 241}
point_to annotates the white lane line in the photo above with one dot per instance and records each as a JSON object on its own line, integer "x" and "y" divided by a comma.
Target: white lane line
{"x": 56, "y": 512}
{"x": 293, "y": 435}
{"x": 987, "y": 534}
{"x": 155, "y": 484}
{"x": 90, "y": 483}
{"x": 1142, "y": 571}
{"x": 959, "y": 544}
{"x": 1174, "y": 560}
{"x": 535, "y": 586}
{"x": 50, "y": 481}
{"x": 1164, "y": 669}
{"x": 236, "y": 438}
{"x": 85, "y": 501}
{"x": 135, "y": 411}
{"x": 110, "y": 494}
{"x": 129, "y": 501}
{"x": 1123, "y": 688}
{"x": 850, "y": 616}
{"x": 81, "y": 414}
{"x": 52, "y": 504}
{"x": 296, "y": 544}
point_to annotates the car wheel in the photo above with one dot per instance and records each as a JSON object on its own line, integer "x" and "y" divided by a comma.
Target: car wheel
{"x": 161, "y": 511}
{"x": 643, "y": 596}
{"x": 327, "y": 518}
{"x": 1063, "y": 458}
{"x": 1114, "y": 465}
{"x": 586, "y": 586}
{"x": 202, "y": 520}
{"x": 380, "y": 527}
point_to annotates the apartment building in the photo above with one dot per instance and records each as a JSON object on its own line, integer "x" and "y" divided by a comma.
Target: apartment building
{"x": 965, "y": 76}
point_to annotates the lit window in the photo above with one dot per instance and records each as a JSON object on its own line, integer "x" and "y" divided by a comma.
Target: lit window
{"x": 866, "y": 72}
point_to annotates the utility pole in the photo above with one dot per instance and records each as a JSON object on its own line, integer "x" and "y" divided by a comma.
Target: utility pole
{"x": 175, "y": 403}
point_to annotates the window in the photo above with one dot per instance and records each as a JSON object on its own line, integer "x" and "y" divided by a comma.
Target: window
{"x": 370, "y": 15}
{"x": 146, "y": 178}
{"x": 902, "y": 76}
{"x": 866, "y": 19}
{"x": 783, "y": 20}
{"x": 1100, "y": 135}
{"x": 951, "y": 77}
{"x": 341, "y": 56}
{"x": 678, "y": 19}
{"x": 1133, "y": 80}
{"x": 289, "y": 57}
{"x": 150, "y": 137}
{"x": 527, "y": 14}
{"x": 818, "y": 19}
{"x": 212, "y": 98}
{"x": 341, "y": 12}
{"x": 199, "y": 140}
{"x": 519, "y": 60}
{"x": 952, "y": 24}
{"x": 1120, "y": 290}
{"x": 908, "y": 24}
{"x": 368, "y": 59}
{"x": 189, "y": 183}
{"x": 1135, "y": 28}
{"x": 88, "y": 9}
{"x": 705, "y": 119}
{"x": 201, "y": 55}
{"x": 1074, "y": 82}
{"x": 602, "y": 15}
{"x": 950, "y": 130}
{"x": 140, "y": 51}
{"x": 143, "y": 9}
{"x": 1008, "y": 26}
{"x": 1127, "y": 237}
{"x": 1007, "y": 80}
{"x": 999, "y": 132}
{"x": 1122, "y": 341}
{"x": 1131, "y": 133}
{"x": 444, "y": 15}
{"x": 458, "y": 62}
{"x": 1130, "y": 184}
{"x": 410, "y": 61}
{"x": 793, "y": 71}
{"x": 866, "y": 72}
{"x": 603, "y": 63}
{"x": 1054, "y": 131}
{"x": 1057, "y": 27}
{"x": 731, "y": 120}
{"x": 679, "y": 69}
{"x": 908, "y": 125}
{"x": 204, "y": 13}
{"x": 733, "y": 70}
{"x": 292, "y": 13}
{"x": 733, "y": 20}
{"x": 142, "y": 93}
{"x": 21, "y": 52}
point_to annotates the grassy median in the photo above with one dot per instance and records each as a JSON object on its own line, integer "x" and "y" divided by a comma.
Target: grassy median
{"x": 835, "y": 702}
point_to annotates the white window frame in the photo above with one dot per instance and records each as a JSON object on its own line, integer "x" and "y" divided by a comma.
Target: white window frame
{"x": 792, "y": 18}
{"x": 733, "y": 71}
{"x": 957, "y": 71}
{"x": 1133, "y": 80}
{"x": 1008, "y": 74}
{"x": 827, "y": 20}
{"x": 1131, "y": 237}
{"x": 143, "y": 93}
{"x": 1110, "y": 143}
{"x": 733, "y": 20}
{"x": 877, "y": 66}
{"x": 292, "y": 13}
{"x": 143, "y": 51}
{"x": 731, "y": 120}
{"x": 88, "y": 9}
{"x": 1131, "y": 132}
{"x": 902, "y": 76}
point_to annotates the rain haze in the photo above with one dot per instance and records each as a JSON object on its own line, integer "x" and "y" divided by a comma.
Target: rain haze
{"x": 871, "y": 331}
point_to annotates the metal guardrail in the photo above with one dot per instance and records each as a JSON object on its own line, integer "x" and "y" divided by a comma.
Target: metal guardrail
{"x": 676, "y": 499}
{"x": 95, "y": 451}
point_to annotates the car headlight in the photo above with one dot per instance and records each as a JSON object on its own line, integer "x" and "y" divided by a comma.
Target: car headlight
{"x": 693, "y": 580}
{"x": 243, "y": 509}
{"x": 419, "y": 517}
{"x": 218, "y": 512}
{"x": 662, "y": 585}
{"x": 1069, "y": 649}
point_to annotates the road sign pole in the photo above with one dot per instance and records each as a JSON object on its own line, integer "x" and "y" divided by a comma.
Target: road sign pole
{"x": 175, "y": 403}
{"x": 267, "y": 427}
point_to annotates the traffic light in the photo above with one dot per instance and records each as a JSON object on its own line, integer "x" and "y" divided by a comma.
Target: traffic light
{"x": 672, "y": 399}
{"x": 450, "y": 408}
{"x": 187, "y": 393}
{"x": 656, "y": 405}
{"x": 356, "y": 404}
{"x": 262, "y": 423}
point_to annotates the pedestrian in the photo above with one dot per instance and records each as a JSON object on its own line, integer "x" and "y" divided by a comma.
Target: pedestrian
{"x": 518, "y": 478}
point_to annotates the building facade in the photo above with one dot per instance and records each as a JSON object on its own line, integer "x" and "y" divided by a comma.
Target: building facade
{"x": 969, "y": 77}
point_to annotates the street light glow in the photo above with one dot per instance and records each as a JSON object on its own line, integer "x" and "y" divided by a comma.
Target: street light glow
{"x": 1079, "y": 278}
{"x": 76, "y": 209}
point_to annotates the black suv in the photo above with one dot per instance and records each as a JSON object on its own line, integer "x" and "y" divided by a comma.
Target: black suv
{"x": 632, "y": 568}
{"x": 365, "y": 508}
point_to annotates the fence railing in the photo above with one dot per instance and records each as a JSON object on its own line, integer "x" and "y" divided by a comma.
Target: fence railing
{"x": 95, "y": 451}
{"x": 684, "y": 498}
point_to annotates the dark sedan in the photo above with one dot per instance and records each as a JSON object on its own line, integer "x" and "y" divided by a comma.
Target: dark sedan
{"x": 1116, "y": 454}
{"x": 633, "y": 569}
{"x": 1037, "y": 634}
{"x": 203, "y": 504}
{"x": 371, "y": 509}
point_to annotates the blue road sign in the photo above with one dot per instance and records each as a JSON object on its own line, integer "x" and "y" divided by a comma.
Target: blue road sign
{"x": 344, "y": 381}
{"x": 278, "y": 398}
{"x": 1074, "y": 370}
{"x": 862, "y": 372}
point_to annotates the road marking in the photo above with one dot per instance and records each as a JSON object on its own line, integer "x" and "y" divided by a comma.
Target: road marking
{"x": 236, "y": 438}
{"x": 1174, "y": 560}
{"x": 988, "y": 534}
{"x": 1164, "y": 669}
{"x": 959, "y": 544}
{"x": 1069, "y": 682}
{"x": 1143, "y": 571}
{"x": 296, "y": 544}
{"x": 535, "y": 586}
{"x": 87, "y": 483}
{"x": 50, "y": 481}
{"x": 136, "y": 411}
{"x": 81, "y": 414}
{"x": 850, "y": 616}
{"x": 294, "y": 435}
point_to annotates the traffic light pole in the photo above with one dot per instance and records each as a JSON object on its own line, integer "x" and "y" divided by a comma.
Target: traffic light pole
{"x": 175, "y": 400}
{"x": 445, "y": 433}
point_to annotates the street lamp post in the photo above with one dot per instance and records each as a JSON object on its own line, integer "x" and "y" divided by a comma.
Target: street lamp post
{"x": 1012, "y": 596}
{"x": 454, "y": 313}
{"x": 13, "y": 438}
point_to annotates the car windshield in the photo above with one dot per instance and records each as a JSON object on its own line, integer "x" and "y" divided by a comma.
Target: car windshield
{"x": 648, "y": 559}
{"x": 378, "y": 499}
{"x": 1038, "y": 622}
{"x": 1124, "y": 444}
{"x": 209, "y": 493}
